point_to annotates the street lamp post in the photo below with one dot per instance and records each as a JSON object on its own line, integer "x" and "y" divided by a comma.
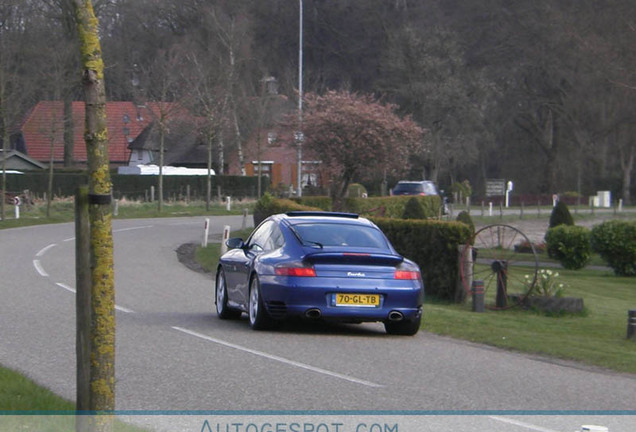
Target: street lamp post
{"x": 299, "y": 133}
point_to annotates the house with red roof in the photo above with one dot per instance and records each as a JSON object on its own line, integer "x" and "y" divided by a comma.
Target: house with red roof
{"x": 132, "y": 140}
{"x": 43, "y": 131}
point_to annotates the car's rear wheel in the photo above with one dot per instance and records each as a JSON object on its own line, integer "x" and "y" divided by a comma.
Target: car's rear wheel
{"x": 222, "y": 309}
{"x": 258, "y": 317}
{"x": 404, "y": 327}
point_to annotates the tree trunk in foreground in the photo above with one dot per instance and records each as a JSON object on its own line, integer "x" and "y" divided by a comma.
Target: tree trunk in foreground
{"x": 102, "y": 334}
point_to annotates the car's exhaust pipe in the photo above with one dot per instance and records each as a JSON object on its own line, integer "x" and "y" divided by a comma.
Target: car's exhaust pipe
{"x": 395, "y": 316}
{"x": 313, "y": 313}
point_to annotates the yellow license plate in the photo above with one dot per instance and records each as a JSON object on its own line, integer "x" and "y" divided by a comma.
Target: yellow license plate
{"x": 371, "y": 300}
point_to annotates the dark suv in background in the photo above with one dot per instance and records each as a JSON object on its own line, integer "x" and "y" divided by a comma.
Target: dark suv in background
{"x": 422, "y": 187}
{"x": 415, "y": 188}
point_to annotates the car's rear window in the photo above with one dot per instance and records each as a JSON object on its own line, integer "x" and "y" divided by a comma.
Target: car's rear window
{"x": 427, "y": 188}
{"x": 330, "y": 234}
{"x": 415, "y": 188}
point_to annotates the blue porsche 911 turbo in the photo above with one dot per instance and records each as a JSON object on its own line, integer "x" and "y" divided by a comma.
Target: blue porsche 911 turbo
{"x": 319, "y": 265}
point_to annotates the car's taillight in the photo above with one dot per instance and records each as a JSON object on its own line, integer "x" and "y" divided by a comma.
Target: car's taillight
{"x": 407, "y": 275}
{"x": 295, "y": 271}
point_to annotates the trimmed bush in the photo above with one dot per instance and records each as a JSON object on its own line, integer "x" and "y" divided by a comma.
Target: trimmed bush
{"x": 413, "y": 210}
{"x": 393, "y": 206}
{"x": 356, "y": 190}
{"x": 269, "y": 205}
{"x": 570, "y": 245}
{"x": 321, "y": 202}
{"x": 464, "y": 217}
{"x": 615, "y": 242}
{"x": 433, "y": 245}
{"x": 560, "y": 215}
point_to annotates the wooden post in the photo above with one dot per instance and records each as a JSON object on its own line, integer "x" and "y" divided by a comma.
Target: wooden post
{"x": 466, "y": 268}
{"x": 82, "y": 306}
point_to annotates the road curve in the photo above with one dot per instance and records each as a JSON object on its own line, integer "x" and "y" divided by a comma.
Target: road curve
{"x": 174, "y": 354}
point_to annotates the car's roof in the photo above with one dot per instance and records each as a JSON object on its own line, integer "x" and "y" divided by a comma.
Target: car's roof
{"x": 297, "y": 217}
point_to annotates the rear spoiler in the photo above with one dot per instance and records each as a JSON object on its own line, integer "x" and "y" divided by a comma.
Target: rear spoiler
{"x": 353, "y": 258}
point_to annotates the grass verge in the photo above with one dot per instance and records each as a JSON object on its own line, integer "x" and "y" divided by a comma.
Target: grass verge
{"x": 38, "y": 407}
{"x": 62, "y": 210}
{"x": 208, "y": 257}
{"x": 595, "y": 337}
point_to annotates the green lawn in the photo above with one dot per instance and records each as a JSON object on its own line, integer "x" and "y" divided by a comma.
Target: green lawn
{"x": 595, "y": 337}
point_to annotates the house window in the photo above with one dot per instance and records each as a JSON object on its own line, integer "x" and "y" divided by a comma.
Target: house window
{"x": 266, "y": 168}
{"x": 309, "y": 174}
{"x": 126, "y": 118}
{"x": 272, "y": 138}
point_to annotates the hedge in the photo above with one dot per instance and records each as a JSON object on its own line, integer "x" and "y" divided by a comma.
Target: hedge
{"x": 391, "y": 206}
{"x": 137, "y": 187}
{"x": 269, "y": 205}
{"x": 319, "y": 201}
{"x": 433, "y": 245}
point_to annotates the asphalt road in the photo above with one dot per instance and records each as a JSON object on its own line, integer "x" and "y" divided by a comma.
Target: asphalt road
{"x": 174, "y": 354}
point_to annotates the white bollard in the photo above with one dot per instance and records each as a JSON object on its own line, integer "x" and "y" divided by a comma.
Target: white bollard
{"x": 490, "y": 208}
{"x": 17, "y": 211}
{"x": 228, "y": 203}
{"x": 206, "y": 230}
{"x": 226, "y": 237}
{"x": 620, "y": 205}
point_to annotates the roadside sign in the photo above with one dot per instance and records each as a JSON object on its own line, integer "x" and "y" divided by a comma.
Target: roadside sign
{"x": 495, "y": 187}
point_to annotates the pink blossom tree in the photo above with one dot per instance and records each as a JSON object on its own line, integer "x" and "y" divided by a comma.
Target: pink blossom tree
{"x": 355, "y": 137}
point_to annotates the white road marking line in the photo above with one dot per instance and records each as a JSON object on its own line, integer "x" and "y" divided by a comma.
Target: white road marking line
{"x": 43, "y": 250}
{"x": 74, "y": 291}
{"x": 522, "y": 424}
{"x": 66, "y": 287}
{"x": 132, "y": 228}
{"x": 279, "y": 359}
{"x": 123, "y": 309}
{"x": 38, "y": 267}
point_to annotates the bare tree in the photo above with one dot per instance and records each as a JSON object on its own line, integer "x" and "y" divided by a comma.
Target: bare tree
{"x": 14, "y": 89}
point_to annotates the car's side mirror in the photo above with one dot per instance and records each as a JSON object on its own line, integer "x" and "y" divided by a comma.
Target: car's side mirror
{"x": 235, "y": 243}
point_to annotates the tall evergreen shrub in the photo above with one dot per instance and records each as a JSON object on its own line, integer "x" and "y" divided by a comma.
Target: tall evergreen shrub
{"x": 561, "y": 215}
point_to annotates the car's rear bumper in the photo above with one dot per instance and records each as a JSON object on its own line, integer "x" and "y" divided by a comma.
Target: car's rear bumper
{"x": 315, "y": 298}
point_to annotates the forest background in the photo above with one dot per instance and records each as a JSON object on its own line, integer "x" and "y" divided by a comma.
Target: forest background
{"x": 540, "y": 92}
